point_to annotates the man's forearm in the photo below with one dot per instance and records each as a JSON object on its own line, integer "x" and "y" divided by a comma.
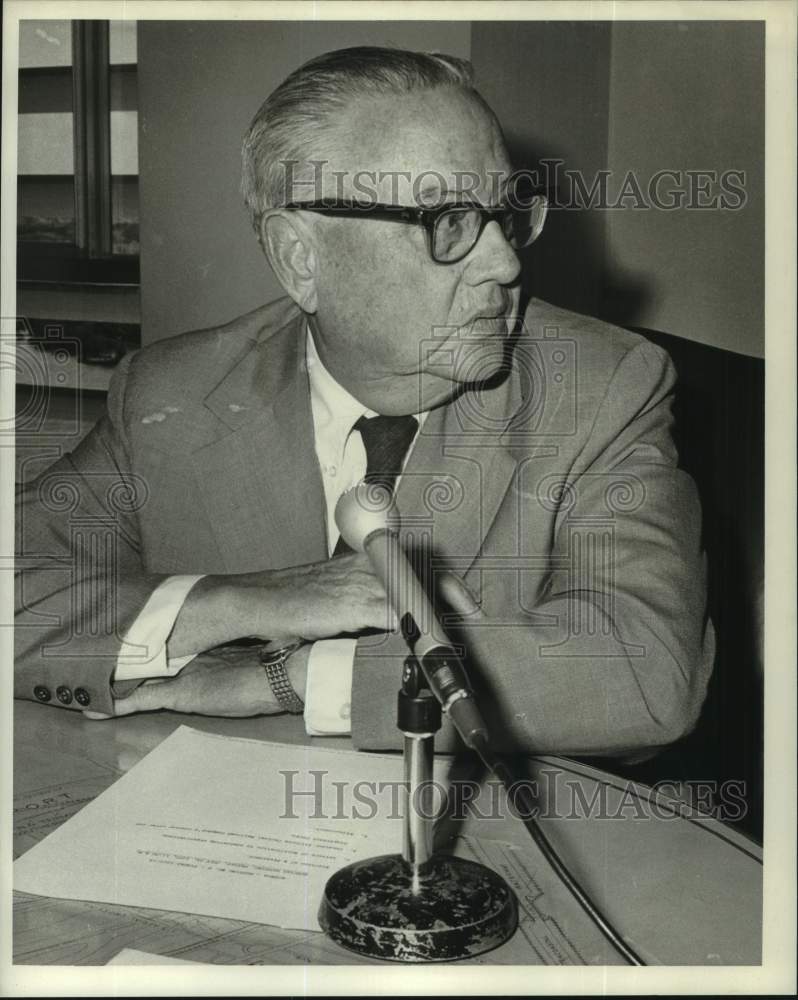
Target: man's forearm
{"x": 546, "y": 689}
{"x": 209, "y": 617}
{"x": 310, "y": 602}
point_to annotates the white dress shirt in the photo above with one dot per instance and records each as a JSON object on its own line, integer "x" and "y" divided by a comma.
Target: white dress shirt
{"x": 342, "y": 460}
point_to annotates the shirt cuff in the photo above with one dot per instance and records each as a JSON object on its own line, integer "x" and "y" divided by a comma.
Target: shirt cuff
{"x": 328, "y": 689}
{"x": 143, "y": 651}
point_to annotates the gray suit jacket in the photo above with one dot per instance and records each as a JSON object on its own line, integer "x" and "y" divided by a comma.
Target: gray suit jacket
{"x": 555, "y": 495}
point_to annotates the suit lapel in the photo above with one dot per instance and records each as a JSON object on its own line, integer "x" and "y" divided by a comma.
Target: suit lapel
{"x": 260, "y": 480}
{"x": 457, "y": 476}
{"x": 261, "y": 484}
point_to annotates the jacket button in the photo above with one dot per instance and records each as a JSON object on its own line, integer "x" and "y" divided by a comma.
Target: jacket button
{"x": 64, "y": 695}
{"x": 42, "y": 693}
{"x": 82, "y": 696}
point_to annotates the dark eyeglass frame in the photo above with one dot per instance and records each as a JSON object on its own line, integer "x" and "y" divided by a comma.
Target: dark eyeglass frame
{"x": 428, "y": 218}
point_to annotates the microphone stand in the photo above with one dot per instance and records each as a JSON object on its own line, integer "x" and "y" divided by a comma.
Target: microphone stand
{"x": 418, "y": 906}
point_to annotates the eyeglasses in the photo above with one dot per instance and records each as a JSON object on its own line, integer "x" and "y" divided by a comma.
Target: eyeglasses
{"x": 452, "y": 230}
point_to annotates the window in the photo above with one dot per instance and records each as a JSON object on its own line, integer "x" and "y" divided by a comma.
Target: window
{"x": 77, "y": 198}
{"x": 78, "y": 308}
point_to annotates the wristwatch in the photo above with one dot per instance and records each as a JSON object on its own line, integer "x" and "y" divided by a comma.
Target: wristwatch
{"x": 274, "y": 660}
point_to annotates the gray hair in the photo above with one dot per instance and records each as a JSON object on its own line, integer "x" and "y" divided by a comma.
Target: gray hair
{"x": 296, "y": 123}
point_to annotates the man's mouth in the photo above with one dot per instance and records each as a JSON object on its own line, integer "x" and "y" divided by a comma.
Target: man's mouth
{"x": 493, "y": 311}
{"x": 487, "y": 321}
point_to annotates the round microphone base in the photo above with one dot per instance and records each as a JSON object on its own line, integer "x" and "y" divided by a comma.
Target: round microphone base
{"x": 459, "y": 909}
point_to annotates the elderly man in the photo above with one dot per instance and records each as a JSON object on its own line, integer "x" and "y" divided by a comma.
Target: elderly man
{"x": 531, "y": 459}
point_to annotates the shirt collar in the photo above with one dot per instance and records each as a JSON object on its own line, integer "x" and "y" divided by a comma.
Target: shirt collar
{"x": 335, "y": 409}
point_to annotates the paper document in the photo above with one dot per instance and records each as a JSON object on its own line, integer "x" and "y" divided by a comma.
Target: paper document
{"x": 226, "y": 827}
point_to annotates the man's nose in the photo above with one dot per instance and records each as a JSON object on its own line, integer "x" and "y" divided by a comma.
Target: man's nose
{"x": 493, "y": 258}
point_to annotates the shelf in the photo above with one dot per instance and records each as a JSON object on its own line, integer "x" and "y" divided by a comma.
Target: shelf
{"x": 51, "y": 352}
{"x": 63, "y": 264}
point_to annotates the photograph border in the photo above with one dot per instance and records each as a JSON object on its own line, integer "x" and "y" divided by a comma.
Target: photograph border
{"x": 777, "y": 972}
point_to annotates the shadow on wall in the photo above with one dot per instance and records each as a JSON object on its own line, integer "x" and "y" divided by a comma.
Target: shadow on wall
{"x": 567, "y": 265}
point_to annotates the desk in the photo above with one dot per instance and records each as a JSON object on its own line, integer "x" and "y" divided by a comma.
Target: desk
{"x": 686, "y": 890}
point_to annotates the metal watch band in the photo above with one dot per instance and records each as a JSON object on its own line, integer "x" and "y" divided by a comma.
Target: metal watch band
{"x": 274, "y": 661}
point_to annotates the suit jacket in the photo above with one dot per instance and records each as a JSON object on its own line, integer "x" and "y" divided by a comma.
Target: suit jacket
{"x": 555, "y": 494}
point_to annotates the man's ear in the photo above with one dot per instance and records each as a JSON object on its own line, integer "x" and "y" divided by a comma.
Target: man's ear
{"x": 290, "y": 247}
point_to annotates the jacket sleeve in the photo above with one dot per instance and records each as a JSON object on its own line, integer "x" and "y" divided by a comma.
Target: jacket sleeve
{"x": 613, "y": 652}
{"x": 79, "y": 578}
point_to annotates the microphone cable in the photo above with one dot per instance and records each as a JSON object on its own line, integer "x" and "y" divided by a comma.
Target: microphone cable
{"x": 494, "y": 763}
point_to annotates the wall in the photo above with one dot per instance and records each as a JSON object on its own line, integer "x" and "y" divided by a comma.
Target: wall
{"x": 689, "y": 96}
{"x": 640, "y": 96}
{"x": 199, "y": 86}
{"x": 549, "y": 85}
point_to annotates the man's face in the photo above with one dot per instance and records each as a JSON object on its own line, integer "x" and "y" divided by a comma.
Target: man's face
{"x": 398, "y": 330}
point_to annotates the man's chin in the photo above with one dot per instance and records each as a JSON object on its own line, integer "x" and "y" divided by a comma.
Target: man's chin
{"x": 474, "y": 369}
{"x": 480, "y": 360}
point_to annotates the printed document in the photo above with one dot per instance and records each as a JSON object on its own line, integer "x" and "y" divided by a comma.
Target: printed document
{"x": 226, "y": 827}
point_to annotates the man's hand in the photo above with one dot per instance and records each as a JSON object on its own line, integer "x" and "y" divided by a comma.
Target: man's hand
{"x": 230, "y": 681}
{"x": 227, "y": 682}
{"x": 317, "y": 601}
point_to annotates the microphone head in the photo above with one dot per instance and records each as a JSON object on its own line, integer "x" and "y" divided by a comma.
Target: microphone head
{"x": 364, "y": 509}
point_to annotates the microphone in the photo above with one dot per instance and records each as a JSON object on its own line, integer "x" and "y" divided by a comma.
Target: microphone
{"x": 368, "y": 520}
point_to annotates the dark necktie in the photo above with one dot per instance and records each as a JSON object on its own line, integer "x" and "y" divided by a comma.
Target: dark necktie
{"x": 386, "y": 440}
